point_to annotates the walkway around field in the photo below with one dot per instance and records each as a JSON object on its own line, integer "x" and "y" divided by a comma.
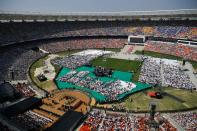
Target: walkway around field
{"x": 125, "y": 56}
{"x": 162, "y": 76}
{"x": 190, "y": 73}
{"x": 128, "y": 54}
{"x": 175, "y": 124}
{"x": 50, "y": 74}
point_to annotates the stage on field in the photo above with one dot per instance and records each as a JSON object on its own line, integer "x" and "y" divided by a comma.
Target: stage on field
{"x": 124, "y": 77}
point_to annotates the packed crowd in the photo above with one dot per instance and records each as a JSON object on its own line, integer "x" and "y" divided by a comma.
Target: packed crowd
{"x": 73, "y": 61}
{"x": 83, "y": 44}
{"x": 174, "y": 77}
{"x": 159, "y": 31}
{"x": 110, "y": 89}
{"x": 187, "y": 120}
{"x": 16, "y": 60}
{"x": 102, "y": 121}
{"x": 117, "y": 122}
{"x": 164, "y": 72}
{"x": 167, "y": 126}
{"x": 30, "y": 31}
{"x": 98, "y": 120}
{"x": 30, "y": 120}
{"x": 151, "y": 71}
{"x": 25, "y": 89}
{"x": 172, "y": 49}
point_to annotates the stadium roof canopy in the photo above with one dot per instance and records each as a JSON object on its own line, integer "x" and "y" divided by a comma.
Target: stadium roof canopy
{"x": 22, "y": 106}
{"x": 67, "y": 122}
{"x": 8, "y": 92}
{"x": 181, "y": 14}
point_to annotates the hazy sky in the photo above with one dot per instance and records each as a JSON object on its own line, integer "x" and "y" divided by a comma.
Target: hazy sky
{"x": 94, "y": 5}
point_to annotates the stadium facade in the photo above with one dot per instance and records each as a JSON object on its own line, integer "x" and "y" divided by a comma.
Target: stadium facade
{"x": 26, "y": 37}
{"x": 25, "y": 26}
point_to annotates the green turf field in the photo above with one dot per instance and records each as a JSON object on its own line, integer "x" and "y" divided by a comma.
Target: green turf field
{"x": 113, "y": 49}
{"x": 117, "y": 64}
{"x": 158, "y": 55}
{"x": 194, "y": 64}
{"x": 65, "y": 53}
{"x": 120, "y": 64}
{"x": 140, "y": 101}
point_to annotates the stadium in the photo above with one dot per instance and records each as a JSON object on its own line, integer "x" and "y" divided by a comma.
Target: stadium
{"x": 134, "y": 70}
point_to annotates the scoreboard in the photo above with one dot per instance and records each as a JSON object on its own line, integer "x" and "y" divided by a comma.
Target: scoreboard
{"x": 136, "y": 39}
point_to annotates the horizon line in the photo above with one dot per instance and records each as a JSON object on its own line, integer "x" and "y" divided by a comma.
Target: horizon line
{"x": 92, "y": 12}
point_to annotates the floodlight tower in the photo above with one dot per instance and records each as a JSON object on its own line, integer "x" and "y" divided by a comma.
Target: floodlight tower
{"x": 153, "y": 125}
{"x": 68, "y": 51}
{"x": 12, "y": 73}
{"x": 152, "y": 107}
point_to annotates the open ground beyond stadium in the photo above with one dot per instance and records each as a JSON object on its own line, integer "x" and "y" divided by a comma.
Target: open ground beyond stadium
{"x": 117, "y": 75}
